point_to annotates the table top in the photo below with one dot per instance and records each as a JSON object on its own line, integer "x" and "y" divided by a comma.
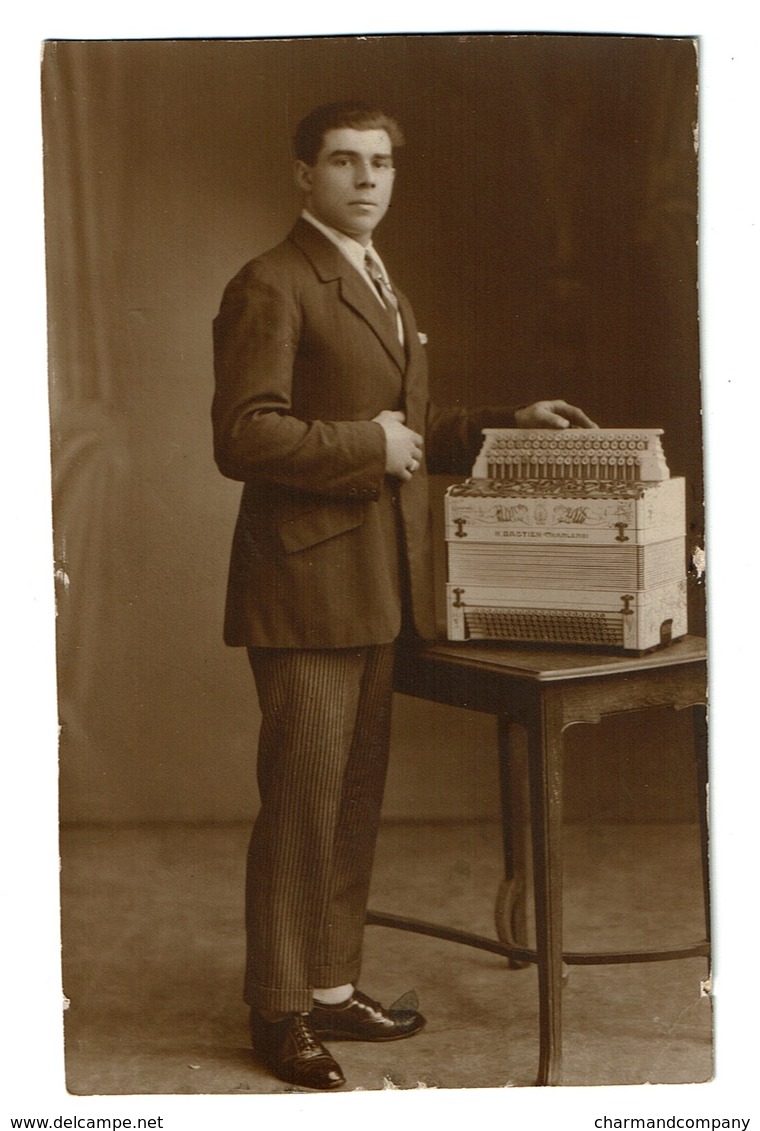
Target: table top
{"x": 552, "y": 663}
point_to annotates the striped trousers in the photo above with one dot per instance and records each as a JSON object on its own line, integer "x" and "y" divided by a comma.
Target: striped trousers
{"x": 322, "y": 760}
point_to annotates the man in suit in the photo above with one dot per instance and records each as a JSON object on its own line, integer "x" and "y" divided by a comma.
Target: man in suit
{"x": 321, "y": 410}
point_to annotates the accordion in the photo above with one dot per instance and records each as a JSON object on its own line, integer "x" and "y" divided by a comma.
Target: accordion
{"x": 572, "y": 537}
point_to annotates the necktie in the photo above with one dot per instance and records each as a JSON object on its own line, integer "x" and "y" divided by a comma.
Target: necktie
{"x": 390, "y": 302}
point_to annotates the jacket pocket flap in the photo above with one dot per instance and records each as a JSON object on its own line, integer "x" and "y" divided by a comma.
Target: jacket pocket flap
{"x": 300, "y": 531}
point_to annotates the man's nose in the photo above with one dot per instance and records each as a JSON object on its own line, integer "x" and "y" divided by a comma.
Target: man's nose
{"x": 365, "y": 173}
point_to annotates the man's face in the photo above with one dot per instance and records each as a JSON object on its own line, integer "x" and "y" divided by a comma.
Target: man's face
{"x": 349, "y": 185}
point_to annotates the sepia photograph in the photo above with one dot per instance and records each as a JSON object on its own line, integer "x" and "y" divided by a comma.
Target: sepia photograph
{"x": 379, "y": 527}
{"x": 381, "y": 407}
{"x": 379, "y": 524}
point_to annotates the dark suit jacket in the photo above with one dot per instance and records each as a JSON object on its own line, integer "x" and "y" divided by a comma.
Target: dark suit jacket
{"x": 325, "y": 542}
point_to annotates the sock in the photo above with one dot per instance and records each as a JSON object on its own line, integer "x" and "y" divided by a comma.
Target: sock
{"x": 333, "y": 995}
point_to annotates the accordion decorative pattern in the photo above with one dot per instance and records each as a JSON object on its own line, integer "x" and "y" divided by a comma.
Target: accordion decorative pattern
{"x": 571, "y": 537}
{"x": 575, "y": 513}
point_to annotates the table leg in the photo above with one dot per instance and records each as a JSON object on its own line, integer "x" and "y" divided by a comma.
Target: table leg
{"x": 545, "y": 751}
{"x": 511, "y": 911}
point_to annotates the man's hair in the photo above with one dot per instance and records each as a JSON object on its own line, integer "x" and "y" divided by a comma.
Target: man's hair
{"x": 310, "y": 133}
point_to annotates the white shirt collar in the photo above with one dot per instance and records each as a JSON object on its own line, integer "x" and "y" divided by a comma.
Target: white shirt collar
{"x": 351, "y": 248}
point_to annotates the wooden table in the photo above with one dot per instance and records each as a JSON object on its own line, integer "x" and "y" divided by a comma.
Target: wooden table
{"x": 546, "y": 690}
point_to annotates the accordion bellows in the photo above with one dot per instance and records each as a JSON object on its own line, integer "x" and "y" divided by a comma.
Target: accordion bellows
{"x": 568, "y": 537}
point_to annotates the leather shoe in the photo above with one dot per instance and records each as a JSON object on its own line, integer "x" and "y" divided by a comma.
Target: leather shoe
{"x": 362, "y": 1019}
{"x": 290, "y": 1048}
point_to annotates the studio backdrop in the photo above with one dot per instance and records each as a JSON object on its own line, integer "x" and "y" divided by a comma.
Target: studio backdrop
{"x": 544, "y": 225}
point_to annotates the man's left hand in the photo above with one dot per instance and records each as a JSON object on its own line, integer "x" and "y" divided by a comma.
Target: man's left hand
{"x": 552, "y": 414}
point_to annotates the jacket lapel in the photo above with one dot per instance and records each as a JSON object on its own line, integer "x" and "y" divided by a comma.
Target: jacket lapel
{"x": 331, "y": 265}
{"x": 356, "y": 294}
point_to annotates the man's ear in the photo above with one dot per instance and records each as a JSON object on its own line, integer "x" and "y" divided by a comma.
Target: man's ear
{"x": 302, "y": 174}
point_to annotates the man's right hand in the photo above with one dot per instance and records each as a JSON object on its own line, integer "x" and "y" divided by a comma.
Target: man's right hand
{"x": 403, "y": 448}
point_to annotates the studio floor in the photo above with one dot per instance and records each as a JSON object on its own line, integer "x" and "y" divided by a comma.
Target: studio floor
{"x": 153, "y": 956}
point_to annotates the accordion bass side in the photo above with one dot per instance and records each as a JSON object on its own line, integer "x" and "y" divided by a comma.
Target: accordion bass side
{"x": 568, "y": 537}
